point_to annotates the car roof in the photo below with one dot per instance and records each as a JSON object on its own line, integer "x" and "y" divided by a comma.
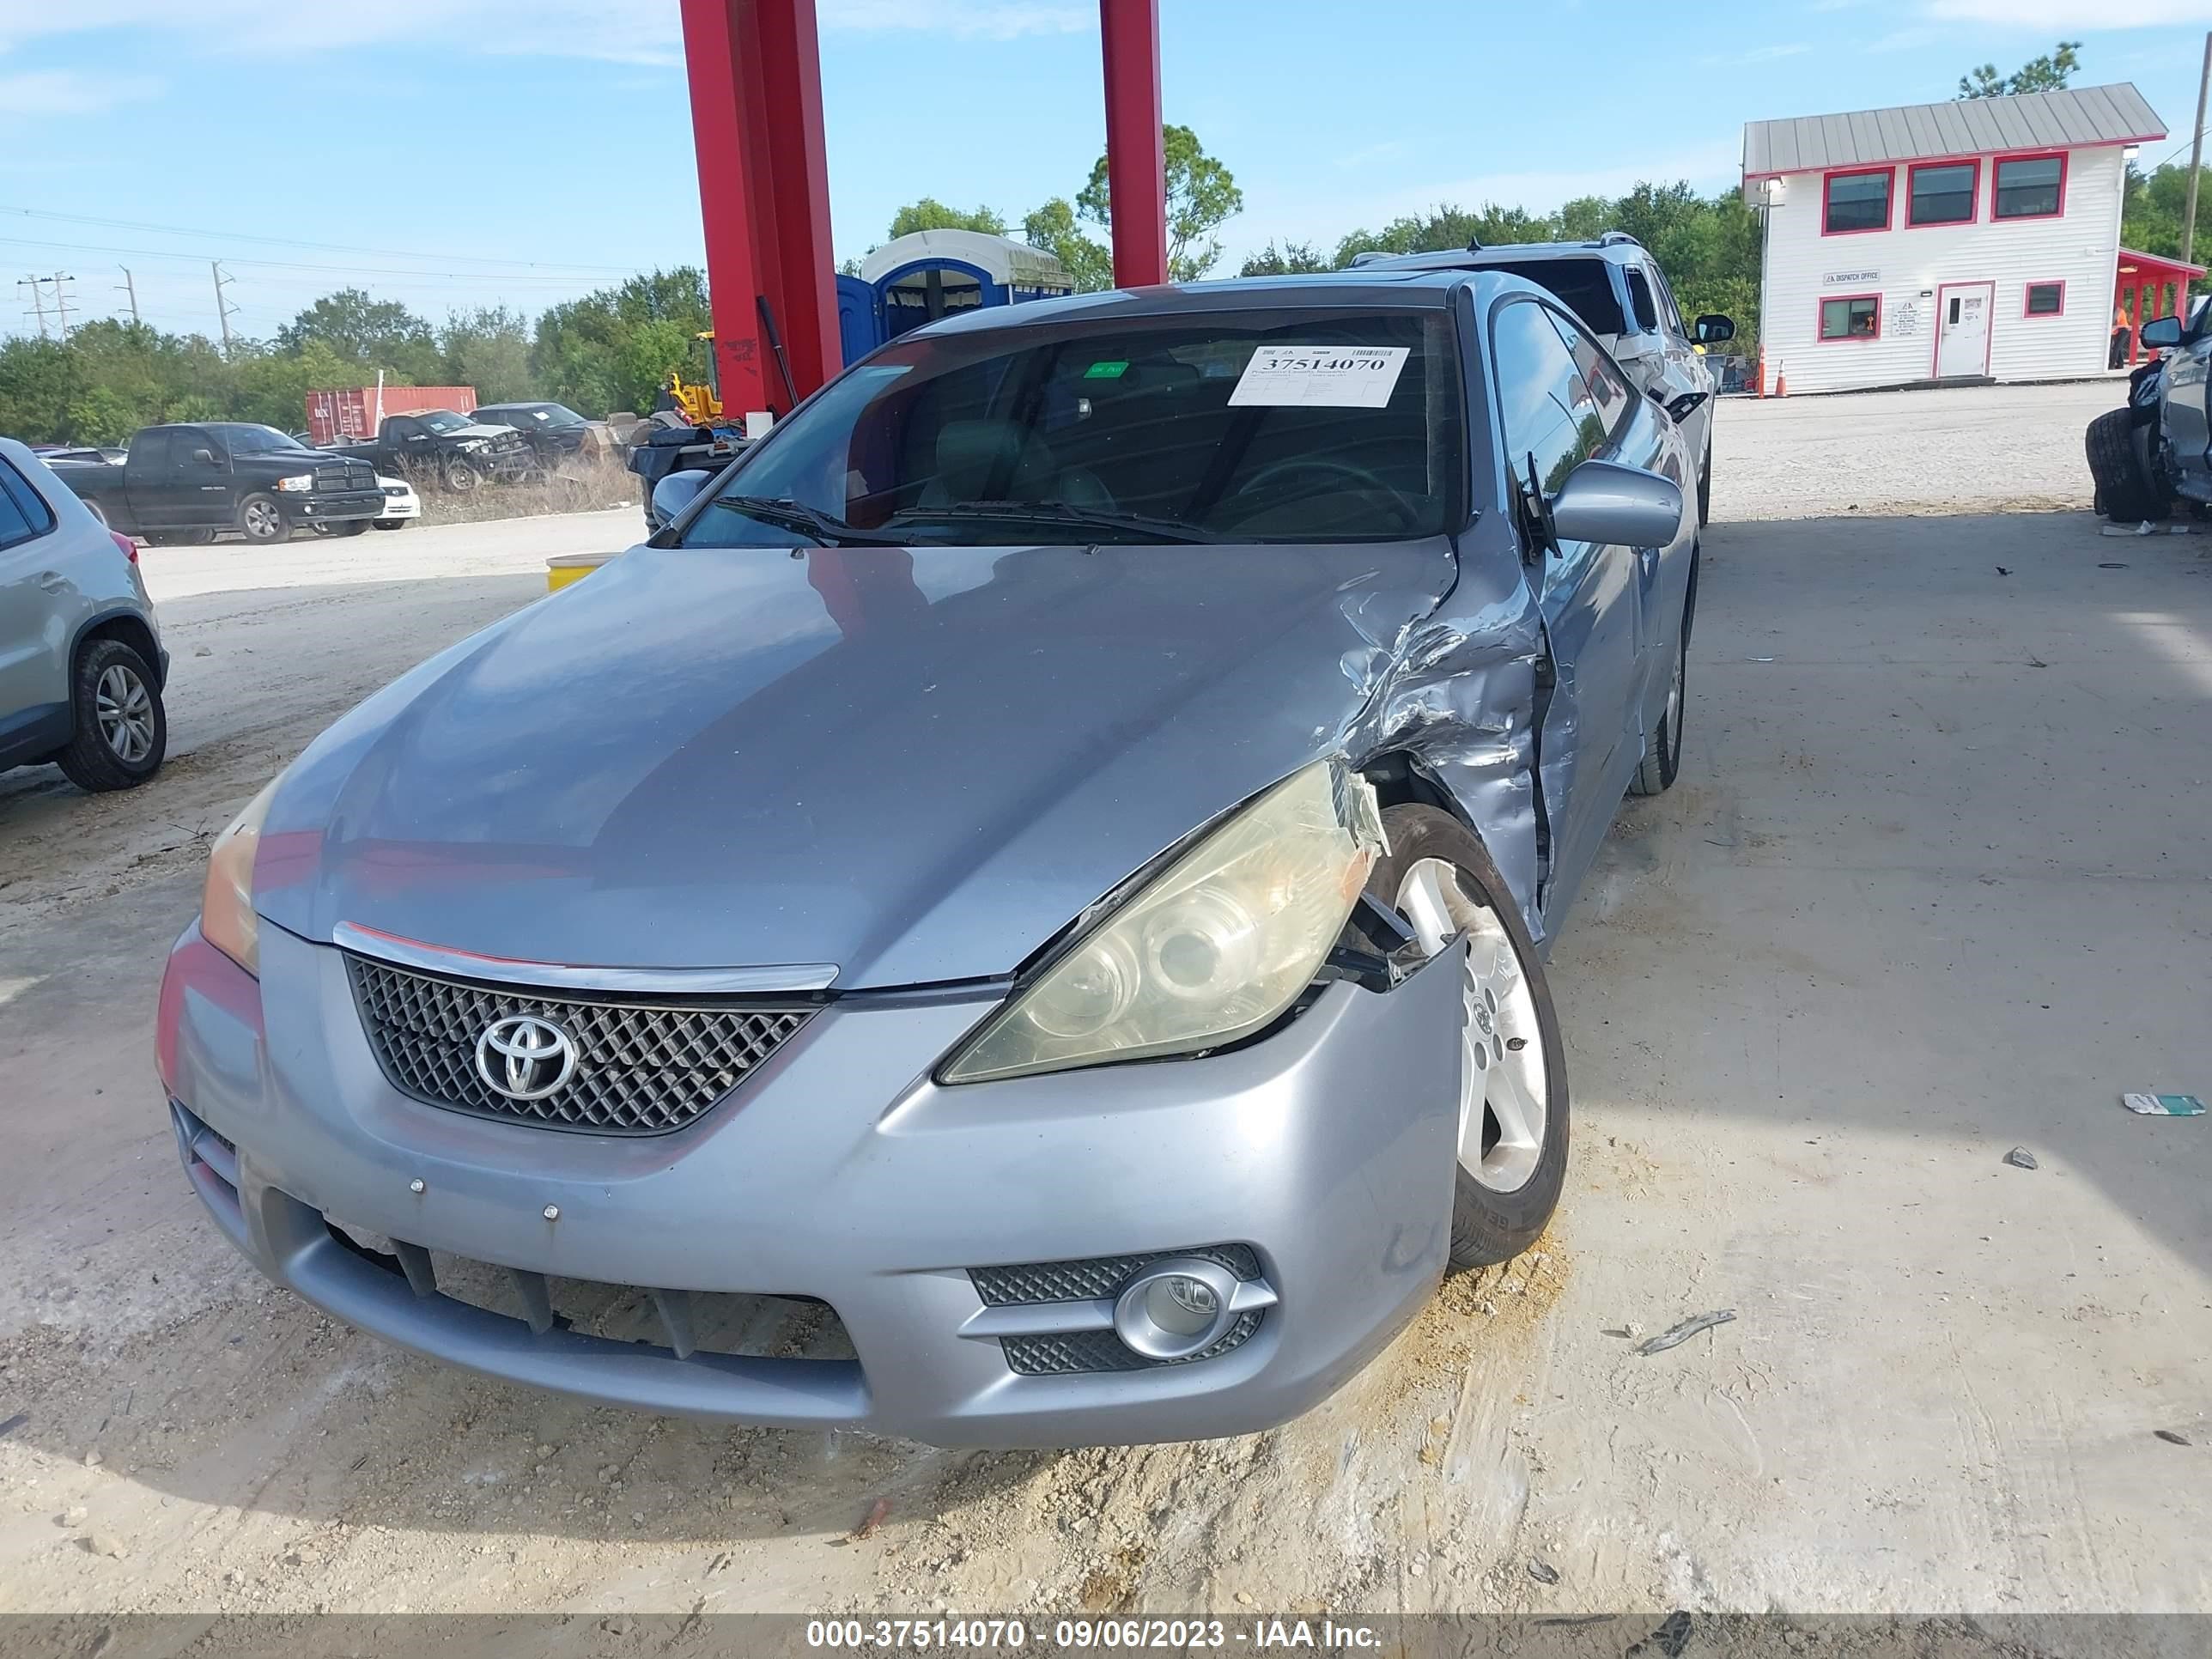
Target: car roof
{"x": 1615, "y": 246}
{"x": 1382, "y": 289}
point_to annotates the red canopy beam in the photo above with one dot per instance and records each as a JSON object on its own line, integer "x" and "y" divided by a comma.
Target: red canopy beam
{"x": 1136, "y": 162}
{"x": 756, "y": 75}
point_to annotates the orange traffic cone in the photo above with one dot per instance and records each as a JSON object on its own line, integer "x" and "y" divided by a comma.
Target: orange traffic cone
{"x": 1781, "y": 386}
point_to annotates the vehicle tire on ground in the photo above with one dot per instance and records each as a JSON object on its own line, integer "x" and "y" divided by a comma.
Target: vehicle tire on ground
{"x": 460, "y": 475}
{"x": 347, "y": 528}
{"x": 122, "y": 731}
{"x": 390, "y": 524}
{"x": 2127, "y": 493}
{"x": 260, "y": 520}
{"x": 1513, "y": 1076}
{"x": 179, "y": 538}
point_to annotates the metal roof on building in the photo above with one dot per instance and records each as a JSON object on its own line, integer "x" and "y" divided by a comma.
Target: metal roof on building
{"x": 2116, "y": 114}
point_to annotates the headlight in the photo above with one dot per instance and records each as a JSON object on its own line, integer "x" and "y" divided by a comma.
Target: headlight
{"x": 227, "y": 917}
{"x": 297, "y": 481}
{"x": 1211, "y": 950}
{"x": 470, "y": 446}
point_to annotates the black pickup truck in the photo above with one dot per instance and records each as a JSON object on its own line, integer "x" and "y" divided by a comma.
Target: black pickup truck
{"x": 440, "y": 447}
{"x": 179, "y": 485}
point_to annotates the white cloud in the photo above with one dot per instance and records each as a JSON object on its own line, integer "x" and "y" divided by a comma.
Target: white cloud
{"x": 2046, "y": 16}
{"x": 42, "y": 93}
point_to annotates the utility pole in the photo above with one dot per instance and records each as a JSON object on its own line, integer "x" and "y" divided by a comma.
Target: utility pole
{"x": 222, "y": 307}
{"x": 2195, "y": 155}
{"x": 130, "y": 286}
{"x": 61, "y": 303}
{"x": 36, "y": 285}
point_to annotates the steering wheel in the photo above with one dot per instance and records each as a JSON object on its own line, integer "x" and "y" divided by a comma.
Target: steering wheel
{"x": 1328, "y": 474}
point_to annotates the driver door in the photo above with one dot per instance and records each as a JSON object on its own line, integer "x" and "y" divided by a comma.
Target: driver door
{"x": 1551, "y": 422}
{"x": 411, "y": 447}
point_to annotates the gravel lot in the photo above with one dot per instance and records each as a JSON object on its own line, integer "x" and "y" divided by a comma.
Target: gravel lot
{"x": 1933, "y": 884}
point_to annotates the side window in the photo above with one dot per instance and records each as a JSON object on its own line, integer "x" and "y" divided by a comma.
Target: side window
{"x": 24, "y": 514}
{"x": 157, "y": 448}
{"x": 404, "y": 429}
{"x": 1612, "y": 400}
{"x": 1669, "y": 312}
{"x": 1548, "y": 412}
{"x": 1640, "y": 300}
{"x": 188, "y": 439}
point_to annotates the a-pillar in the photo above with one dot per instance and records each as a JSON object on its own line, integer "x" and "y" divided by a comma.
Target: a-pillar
{"x": 755, "y": 76}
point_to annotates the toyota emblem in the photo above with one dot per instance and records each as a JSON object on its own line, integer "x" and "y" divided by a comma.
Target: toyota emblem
{"x": 525, "y": 1058}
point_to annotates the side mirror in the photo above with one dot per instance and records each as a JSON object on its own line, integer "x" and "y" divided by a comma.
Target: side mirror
{"x": 204, "y": 458}
{"x": 1712, "y": 328}
{"x": 1625, "y": 506}
{"x": 676, "y": 492}
{"x": 2161, "y": 331}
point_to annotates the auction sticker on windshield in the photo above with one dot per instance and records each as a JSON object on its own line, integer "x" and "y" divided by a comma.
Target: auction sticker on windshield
{"x": 1320, "y": 376}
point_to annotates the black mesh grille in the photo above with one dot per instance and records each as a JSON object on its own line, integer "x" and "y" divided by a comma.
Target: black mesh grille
{"x": 1103, "y": 1350}
{"x": 346, "y": 474}
{"x": 1094, "y": 1276}
{"x": 642, "y": 1069}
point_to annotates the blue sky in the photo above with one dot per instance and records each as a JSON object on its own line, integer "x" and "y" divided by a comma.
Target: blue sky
{"x": 457, "y": 152}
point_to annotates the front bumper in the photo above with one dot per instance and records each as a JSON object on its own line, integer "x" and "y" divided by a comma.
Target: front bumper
{"x": 335, "y": 507}
{"x": 838, "y": 1171}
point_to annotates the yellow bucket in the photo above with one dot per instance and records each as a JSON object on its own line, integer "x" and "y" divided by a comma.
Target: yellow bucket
{"x": 568, "y": 568}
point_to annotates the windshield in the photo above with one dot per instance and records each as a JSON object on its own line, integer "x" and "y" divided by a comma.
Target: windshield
{"x": 1252, "y": 426}
{"x": 257, "y": 440}
{"x": 1586, "y": 286}
{"x": 444, "y": 420}
{"x": 548, "y": 415}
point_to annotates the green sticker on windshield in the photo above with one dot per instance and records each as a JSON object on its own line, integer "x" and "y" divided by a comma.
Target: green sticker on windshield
{"x": 1106, "y": 371}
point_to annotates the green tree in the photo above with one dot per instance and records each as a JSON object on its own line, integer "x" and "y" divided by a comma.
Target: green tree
{"x": 101, "y": 416}
{"x": 489, "y": 348}
{"x": 1287, "y": 260}
{"x": 1053, "y": 227}
{"x": 2046, "y": 74}
{"x": 1445, "y": 227}
{"x": 371, "y": 333}
{"x": 1203, "y": 196}
{"x": 930, "y": 214}
{"x": 614, "y": 348}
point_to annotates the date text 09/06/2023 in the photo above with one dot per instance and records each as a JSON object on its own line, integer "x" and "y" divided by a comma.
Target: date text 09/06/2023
{"x": 946, "y": 1634}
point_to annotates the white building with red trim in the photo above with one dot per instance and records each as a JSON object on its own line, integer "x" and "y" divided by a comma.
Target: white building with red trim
{"x": 1966, "y": 241}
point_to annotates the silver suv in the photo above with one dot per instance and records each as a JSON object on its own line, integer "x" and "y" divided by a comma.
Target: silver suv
{"x": 1617, "y": 289}
{"x": 81, "y": 664}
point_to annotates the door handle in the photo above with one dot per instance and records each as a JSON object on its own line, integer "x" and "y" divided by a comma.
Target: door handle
{"x": 52, "y": 580}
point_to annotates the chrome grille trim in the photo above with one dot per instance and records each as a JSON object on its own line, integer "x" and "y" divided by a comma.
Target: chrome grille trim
{"x": 442, "y": 961}
{"x": 644, "y": 1068}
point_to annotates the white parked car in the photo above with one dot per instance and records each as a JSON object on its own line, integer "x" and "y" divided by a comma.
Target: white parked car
{"x": 401, "y": 506}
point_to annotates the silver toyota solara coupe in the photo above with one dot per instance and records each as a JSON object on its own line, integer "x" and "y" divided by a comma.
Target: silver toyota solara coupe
{"x": 1018, "y": 919}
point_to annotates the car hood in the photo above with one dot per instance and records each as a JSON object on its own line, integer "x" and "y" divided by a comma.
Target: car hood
{"x": 917, "y": 766}
{"x": 479, "y": 429}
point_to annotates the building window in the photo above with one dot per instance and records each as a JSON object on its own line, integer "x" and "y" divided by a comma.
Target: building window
{"x": 2045, "y": 300}
{"x": 1942, "y": 194}
{"x": 2029, "y": 187}
{"x": 1857, "y": 317}
{"x": 1854, "y": 201}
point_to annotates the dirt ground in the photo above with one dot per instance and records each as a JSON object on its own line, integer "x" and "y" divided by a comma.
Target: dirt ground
{"x": 1934, "y": 883}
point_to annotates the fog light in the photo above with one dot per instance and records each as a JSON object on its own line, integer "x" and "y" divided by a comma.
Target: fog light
{"x": 1175, "y": 1308}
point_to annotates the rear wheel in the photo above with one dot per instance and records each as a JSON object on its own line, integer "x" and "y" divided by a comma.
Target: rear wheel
{"x": 1512, "y": 1148}
{"x": 2119, "y": 464}
{"x": 261, "y": 520}
{"x": 121, "y": 730}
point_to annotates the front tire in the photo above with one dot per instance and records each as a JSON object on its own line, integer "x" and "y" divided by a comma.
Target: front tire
{"x": 1513, "y": 1071}
{"x": 2126, "y": 491}
{"x": 461, "y": 476}
{"x": 122, "y": 731}
{"x": 261, "y": 521}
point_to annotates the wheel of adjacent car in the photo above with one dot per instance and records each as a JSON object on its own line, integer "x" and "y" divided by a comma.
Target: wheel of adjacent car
{"x": 261, "y": 520}
{"x": 121, "y": 731}
{"x": 390, "y": 523}
{"x": 2119, "y": 466}
{"x": 347, "y": 527}
{"x": 461, "y": 475}
{"x": 1513, "y": 1071}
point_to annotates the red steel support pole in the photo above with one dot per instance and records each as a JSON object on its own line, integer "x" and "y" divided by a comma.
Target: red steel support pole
{"x": 756, "y": 81}
{"x": 1136, "y": 165}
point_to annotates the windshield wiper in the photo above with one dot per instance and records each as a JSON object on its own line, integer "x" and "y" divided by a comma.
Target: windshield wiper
{"x": 789, "y": 515}
{"x": 1165, "y": 530}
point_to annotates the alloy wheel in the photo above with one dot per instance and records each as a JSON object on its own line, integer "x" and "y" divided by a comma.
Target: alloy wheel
{"x": 262, "y": 521}
{"x": 124, "y": 709}
{"x": 1503, "y": 1099}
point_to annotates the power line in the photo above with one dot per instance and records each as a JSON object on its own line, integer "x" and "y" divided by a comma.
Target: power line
{"x": 292, "y": 241}
{"x": 477, "y": 277}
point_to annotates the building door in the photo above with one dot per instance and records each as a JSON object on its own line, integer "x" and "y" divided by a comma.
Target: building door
{"x": 1962, "y": 328}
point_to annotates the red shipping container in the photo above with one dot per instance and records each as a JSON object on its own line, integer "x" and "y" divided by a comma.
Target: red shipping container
{"x": 351, "y": 412}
